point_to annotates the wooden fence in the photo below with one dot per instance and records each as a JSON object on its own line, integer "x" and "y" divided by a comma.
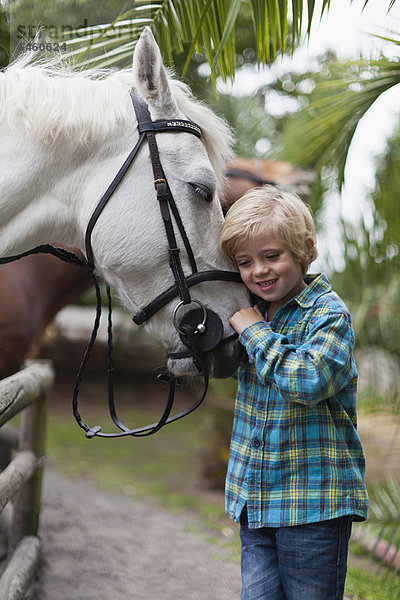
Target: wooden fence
{"x": 22, "y": 457}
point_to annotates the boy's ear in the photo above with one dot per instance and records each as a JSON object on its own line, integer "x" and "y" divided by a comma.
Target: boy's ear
{"x": 312, "y": 252}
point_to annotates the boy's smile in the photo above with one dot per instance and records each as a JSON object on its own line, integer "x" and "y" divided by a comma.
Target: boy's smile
{"x": 269, "y": 270}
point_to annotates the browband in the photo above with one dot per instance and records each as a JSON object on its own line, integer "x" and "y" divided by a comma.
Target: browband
{"x": 170, "y": 125}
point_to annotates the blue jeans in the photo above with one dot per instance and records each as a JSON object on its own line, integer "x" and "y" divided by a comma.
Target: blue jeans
{"x": 304, "y": 562}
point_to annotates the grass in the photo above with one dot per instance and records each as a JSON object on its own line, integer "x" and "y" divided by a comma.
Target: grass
{"x": 371, "y": 404}
{"x": 364, "y": 585}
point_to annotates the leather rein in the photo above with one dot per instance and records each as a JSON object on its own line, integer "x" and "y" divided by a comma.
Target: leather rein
{"x": 200, "y": 329}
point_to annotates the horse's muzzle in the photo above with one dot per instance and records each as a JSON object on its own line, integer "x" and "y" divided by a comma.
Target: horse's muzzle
{"x": 201, "y": 331}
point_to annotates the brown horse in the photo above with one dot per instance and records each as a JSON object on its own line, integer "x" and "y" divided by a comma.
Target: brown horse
{"x": 245, "y": 173}
{"x": 32, "y": 291}
{"x": 35, "y": 288}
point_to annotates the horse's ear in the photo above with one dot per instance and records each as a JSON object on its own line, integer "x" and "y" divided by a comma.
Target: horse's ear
{"x": 151, "y": 76}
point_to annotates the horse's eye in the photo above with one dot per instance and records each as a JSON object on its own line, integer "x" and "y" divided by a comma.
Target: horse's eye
{"x": 204, "y": 192}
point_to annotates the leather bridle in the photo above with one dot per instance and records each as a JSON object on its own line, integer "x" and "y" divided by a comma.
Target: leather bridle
{"x": 200, "y": 328}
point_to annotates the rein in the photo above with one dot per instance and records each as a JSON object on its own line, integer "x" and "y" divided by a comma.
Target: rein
{"x": 200, "y": 329}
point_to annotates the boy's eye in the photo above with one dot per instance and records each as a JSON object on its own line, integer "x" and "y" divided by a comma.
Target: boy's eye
{"x": 272, "y": 256}
{"x": 243, "y": 263}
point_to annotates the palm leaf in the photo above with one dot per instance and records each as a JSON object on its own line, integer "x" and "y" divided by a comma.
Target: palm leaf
{"x": 385, "y": 504}
{"x": 207, "y": 27}
{"x": 327, "y": 134}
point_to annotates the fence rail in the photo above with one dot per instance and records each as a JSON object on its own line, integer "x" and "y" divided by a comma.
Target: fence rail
{"x": 22, "y": 456}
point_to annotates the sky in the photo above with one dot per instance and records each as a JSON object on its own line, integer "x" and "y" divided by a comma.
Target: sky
{"x": 347, "y": 29}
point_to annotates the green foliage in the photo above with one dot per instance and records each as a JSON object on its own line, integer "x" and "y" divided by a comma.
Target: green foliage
{"x": 385, "y": 507}
{"x": 297, "y": 92}
{"x": 52, "y": 20}
{"x": 370, "y": 281}
{"x": 248, "y": 117}
{"x": 386, "y": 231}
{"x": 4, "y": 37}
{"x": 70, "y": 14}
{"x": 364, "y": 585}
{"x": 384, "y": 519}
{"x": 375, "y": 308}
{"x": 208, "y": 27}
{"x": 344, "y": 93}
{"x": 319, "y": 135}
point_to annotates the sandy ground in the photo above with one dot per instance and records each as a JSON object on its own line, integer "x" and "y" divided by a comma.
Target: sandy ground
{"x": 103, "y": 546}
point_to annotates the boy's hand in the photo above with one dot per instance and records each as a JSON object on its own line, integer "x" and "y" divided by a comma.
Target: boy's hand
{"x": 245, "y": 317}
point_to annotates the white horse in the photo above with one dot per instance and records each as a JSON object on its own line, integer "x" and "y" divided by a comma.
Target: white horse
{"x": 64, "y": 134}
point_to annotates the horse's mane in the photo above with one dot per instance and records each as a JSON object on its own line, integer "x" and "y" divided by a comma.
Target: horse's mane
{"x": 57, "y": 103}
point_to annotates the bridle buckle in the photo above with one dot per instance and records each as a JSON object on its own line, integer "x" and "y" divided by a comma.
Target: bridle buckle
{"x": 160, "y": 182}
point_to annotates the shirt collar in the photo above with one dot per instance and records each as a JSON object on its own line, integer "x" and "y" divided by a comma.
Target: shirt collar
{"x": 317, "y": 285}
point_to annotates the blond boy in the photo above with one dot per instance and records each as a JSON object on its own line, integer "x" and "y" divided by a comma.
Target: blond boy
{"x": 295, "y": 478}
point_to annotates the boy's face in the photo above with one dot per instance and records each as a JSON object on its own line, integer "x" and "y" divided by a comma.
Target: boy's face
{"x": 269, "y": 270}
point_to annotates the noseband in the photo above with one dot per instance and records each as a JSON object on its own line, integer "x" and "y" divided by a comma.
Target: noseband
{"x": 200, "y": 328}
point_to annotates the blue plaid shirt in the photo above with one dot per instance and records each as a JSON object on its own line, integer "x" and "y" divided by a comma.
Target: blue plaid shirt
{"x": 295, "y": 453}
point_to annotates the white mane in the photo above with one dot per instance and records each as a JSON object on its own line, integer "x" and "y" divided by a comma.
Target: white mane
{"x": 56, "y": 103}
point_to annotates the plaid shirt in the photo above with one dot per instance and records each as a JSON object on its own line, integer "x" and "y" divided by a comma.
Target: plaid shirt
{"x": 295, "y": 453}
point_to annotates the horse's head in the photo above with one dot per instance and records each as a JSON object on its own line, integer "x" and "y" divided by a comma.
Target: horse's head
{"x": 129, "y": 240}
{"x": 65, "y": 135}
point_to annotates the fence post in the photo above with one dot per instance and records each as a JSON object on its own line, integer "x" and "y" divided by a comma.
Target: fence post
{"x": 25, "y": 393}
{"x": 26, "y": 504}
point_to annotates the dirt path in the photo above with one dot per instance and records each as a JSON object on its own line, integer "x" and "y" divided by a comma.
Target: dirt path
{"x": 103, "y": 546}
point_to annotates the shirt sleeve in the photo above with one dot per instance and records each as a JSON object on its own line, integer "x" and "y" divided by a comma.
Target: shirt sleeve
{"x": 317, "y": 369}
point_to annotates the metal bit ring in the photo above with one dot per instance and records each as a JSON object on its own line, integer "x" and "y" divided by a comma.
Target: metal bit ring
{"x": 201, "y": 327}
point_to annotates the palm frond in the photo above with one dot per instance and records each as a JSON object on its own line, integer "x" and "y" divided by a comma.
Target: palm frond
{"x": 333, "y": 120}
{"x": 385, "y": 504}
{"x": 196, "y": 26}
{"x": 202, "y": 26}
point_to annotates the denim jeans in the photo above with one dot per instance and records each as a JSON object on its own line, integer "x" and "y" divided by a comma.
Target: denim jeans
{"x": 303, "y": 562}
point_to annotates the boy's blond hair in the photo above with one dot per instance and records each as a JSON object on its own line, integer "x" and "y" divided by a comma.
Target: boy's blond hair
{"x": 270, "y": 209}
